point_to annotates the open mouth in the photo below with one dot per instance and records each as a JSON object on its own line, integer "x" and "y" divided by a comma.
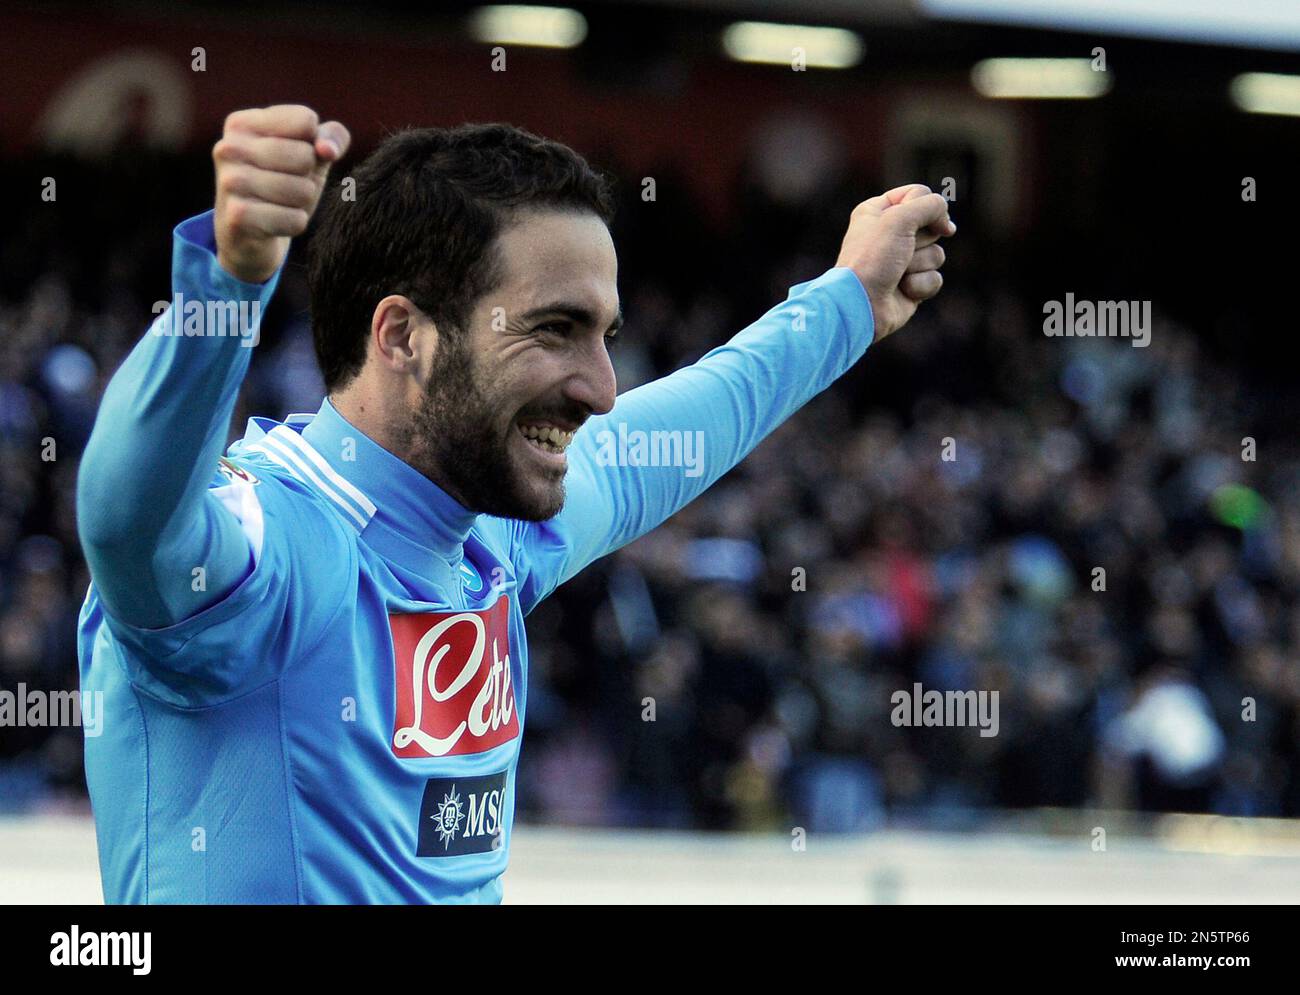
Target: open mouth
{"x": 549, "y": 439}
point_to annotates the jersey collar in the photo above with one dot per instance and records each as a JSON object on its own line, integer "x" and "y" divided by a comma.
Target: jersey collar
{"x": 375, "y": 491}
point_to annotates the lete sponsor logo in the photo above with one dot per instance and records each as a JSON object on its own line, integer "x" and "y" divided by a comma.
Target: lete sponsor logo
{"x": 454, "y": 689}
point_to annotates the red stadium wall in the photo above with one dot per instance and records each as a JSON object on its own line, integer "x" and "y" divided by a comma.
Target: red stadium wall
{"x": 140, "y": 70}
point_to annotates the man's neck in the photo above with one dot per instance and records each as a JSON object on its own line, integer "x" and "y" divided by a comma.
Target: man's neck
{"x": 408, "y": 501}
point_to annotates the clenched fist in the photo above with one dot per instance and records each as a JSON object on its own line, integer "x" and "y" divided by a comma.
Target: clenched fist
{"x": 271, "y": 167}
{"x": 891, "y": 246}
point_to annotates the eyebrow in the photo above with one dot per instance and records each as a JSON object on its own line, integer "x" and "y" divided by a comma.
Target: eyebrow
{"x": 576, "y": 313}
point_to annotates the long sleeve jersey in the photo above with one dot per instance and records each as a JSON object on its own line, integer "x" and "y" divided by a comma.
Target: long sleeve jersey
{"x": 313, "y": 659}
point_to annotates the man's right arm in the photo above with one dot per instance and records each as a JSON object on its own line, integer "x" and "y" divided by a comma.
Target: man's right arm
{"x": 146, "y": 519}
{"x": 144, "y": 514}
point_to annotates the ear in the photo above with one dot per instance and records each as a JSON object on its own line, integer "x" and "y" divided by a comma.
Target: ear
{"x": 400, "y": 332}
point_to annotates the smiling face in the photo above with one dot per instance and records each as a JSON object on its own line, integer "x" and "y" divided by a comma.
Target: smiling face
{"x": 502, "y": 400}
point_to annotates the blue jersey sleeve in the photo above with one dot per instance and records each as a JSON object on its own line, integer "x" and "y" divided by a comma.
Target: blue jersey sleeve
{"x": 666, "y": 442}
{"x": 174, "y": 547}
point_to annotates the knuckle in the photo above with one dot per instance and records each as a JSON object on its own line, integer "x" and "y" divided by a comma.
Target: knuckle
{"x": 306, "y": 193}
{"x": 292, "y": 192}
{"x": 228, "y": 180}
{"x": 301, "y": 158}
{"x": 299, "y": 118}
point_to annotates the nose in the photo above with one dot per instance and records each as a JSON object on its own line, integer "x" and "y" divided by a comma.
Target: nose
{"x": 593, "y": 384}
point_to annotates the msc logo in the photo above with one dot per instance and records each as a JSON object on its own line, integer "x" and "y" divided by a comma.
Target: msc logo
{"x": 462, "y": 815}
{"x": 454, "y": 691}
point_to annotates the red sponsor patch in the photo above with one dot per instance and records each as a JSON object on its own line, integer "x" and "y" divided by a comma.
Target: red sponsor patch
{"x": 454, "y": 689}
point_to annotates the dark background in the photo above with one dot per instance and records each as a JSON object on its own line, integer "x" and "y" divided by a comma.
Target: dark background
{"x": 772, "y": 704}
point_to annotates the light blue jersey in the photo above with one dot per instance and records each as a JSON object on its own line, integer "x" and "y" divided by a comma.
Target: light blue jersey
{"x": 313, "y": 659}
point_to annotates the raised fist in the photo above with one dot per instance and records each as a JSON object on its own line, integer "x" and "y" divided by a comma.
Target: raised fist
{"x": 891, "y": 246}
{"x": 271, "y": 167}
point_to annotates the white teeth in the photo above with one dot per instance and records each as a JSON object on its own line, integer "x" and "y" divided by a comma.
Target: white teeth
{"x": 549, "y": 437}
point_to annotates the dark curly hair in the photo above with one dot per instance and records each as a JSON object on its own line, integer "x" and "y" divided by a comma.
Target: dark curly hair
{"x": 428, "y": 206}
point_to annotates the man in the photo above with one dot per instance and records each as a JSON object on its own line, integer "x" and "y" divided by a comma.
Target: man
{"x": 312, "y": 649}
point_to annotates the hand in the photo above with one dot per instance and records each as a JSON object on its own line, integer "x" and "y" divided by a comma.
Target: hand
{"x": 891, "y": 246}
{"x": 271, "y": 167}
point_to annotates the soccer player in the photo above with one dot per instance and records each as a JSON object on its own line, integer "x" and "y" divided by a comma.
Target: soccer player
{"x": 312, "y": 647}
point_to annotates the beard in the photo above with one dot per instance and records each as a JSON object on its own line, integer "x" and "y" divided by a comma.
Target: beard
{"x": 454, "y": 440}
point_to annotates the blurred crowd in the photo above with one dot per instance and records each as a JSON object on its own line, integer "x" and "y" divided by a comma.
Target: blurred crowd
{"x": 1106, "y": 536}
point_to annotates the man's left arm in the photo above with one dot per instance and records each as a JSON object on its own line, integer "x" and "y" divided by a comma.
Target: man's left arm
{"x": 705, "y": 418}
